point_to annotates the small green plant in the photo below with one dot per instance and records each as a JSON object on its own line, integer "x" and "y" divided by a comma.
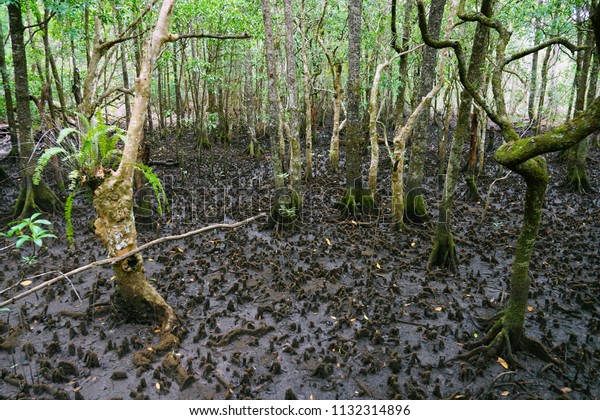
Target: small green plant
{"x": 30, "y": 230}
{"x": 286, "y": 212}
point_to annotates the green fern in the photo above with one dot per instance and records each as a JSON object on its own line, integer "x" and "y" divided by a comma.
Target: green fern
{"x": 157, "y": 188}
{"x": 86, "y": 152}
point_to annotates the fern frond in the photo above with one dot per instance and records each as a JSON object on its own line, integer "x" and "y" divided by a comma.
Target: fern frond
{"x": 43, "y": 162}
{"x": 157, "y": 188}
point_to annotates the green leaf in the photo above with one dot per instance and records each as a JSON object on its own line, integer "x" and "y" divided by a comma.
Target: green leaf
{"x": 22, "y": 240}
{"x": 43, "y": 222}
{"x": 36, "y": 231}
{"x": 38, "y": 242}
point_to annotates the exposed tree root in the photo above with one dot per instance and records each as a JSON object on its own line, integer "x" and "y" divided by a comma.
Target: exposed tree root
{"x": 472, "y": 190}
{"x": 35, "y": 198}
{"x": 577, "y": 181}
{"x": 356, "y": 202}
{"x": 443, "y": 254}
{"x": 286, "y": 212}
{"x": 416, "y": 211}
{"x": 500, "y": 342}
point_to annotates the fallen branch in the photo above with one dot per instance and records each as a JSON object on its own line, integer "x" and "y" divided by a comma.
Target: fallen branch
{"x": 129, "y": 254}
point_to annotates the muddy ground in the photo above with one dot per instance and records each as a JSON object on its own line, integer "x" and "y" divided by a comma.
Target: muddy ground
{"x": 335, "y": 310}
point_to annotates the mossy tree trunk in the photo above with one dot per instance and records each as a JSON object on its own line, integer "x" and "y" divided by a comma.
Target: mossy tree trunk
{"x": 416, "y": 209}
{"x": 31, "y": 197}
{"x": 577, "y": 179}
{"x": 523, "y": 156}
{"x": 443, "y": 253}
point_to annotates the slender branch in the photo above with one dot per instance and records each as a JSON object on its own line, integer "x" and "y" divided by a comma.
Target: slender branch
{"x": 560, "y": 138}
{"x": 462, "y": 63}
{"x": 553, "y": 41}
{"x": 113, "y": 90}
{"x": 176, "y": 37}
{"x": 130, "y": 253}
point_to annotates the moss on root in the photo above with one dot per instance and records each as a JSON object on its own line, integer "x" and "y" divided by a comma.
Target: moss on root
{"x": 472, "y": 190}
{"x": 501, "y": 340}
{"x": 443, "y": 254}
{"x": 34, "y": 198}
{"x": 577, "y": 180}
{"x": 357, "y": 202}
{"x": 416, "y": 210}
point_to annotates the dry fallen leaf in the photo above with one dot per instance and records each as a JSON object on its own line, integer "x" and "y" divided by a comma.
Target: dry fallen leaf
{"x": 328, "y": 241}
{"x": 26, "y": 282}
{"x": 157, "y": 385}
{"x": 565, "y": 390}
{"x": 530, "y": 308}
{"x": 504, "y": 393}
{"x": 438, "y": 309}
{"x": 503, "y": 362}
{"x": 377, "y": 265}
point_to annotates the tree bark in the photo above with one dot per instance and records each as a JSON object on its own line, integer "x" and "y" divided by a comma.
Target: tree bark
{"x": 253, "y": 146}
{"x": 31, "y": 197}
{"x": 577, "y": 179}
{"x": 416, "y": 210}
{"x": 356, "y": 198}
{"x": 292, "y": 102}
{"x": 443, "y": 253}
{"x": 8, "y": 98}
{"x": 336, "y": 75}
{"x": 113, "y": 200}
{"x": 307, "y": 90}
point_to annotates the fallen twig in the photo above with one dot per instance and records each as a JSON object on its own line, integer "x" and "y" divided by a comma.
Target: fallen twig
{"x": 129, "y": 254}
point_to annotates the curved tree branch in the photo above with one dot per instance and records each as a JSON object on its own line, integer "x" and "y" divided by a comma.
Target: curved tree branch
{"x": 141, "y": 248}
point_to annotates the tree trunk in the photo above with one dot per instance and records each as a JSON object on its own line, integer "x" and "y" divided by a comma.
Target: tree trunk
{"x": 113, "y": 200}
{"x": 577, "y": 179}
{"x": 31, "y": 197}
{"x": 356, "y": 198}
{"x": 307, "y": 90}
{"x": 443, "y": 253}
{"x": 533, "y": 80}
{"x": 372, "y": 110}
{"x": 403, "y": 65}
{"x": 253, "y": 146}
{"x": 10, "y": 111}
{"x": 416, "y": 210}
{"x": 544, "y": 83}
{"x": 287, "y": 203}
{"x": 292, "y": 104}
{"x": 125, "y": 84}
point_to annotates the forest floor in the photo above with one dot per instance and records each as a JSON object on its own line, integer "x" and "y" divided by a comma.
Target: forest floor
{"x": 334, "y": 310}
